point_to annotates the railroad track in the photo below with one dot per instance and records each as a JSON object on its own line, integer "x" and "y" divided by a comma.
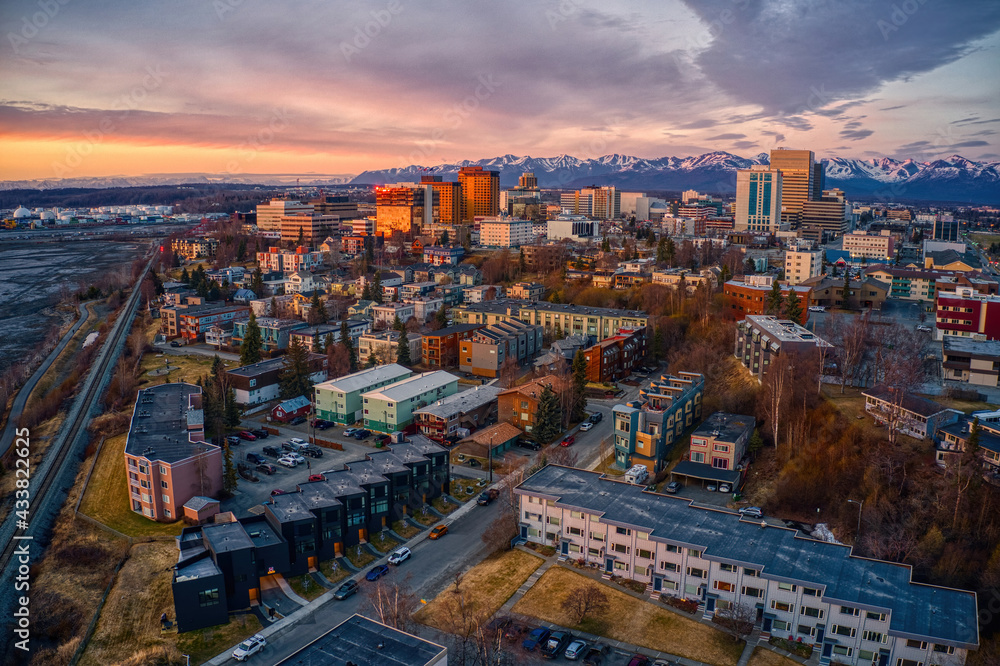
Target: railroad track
{"x": 44, "y": 477}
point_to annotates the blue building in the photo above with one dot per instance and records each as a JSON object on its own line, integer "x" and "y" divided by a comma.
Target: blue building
{"x": 646, "y": 429}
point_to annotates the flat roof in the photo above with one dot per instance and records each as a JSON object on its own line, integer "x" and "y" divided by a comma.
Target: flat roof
{"x": 457, "y": 328}
{"x": 365, "y": 642}
{"x": 258, "y": 368}
{"x": 224, "y": 537}
{"x": 939, "y": 613}
{"x": 990, "y": 348}
{"x": 516, "y": 306}
{"x": 200, "y": 568}
{"x": 463, "y": 401}
{"x": 784, "y": 330}
{"x": 705, "y": 472}
{"x": 161, "y": 418}
{"x": 364, "y": 379}
{"x": 411, "y": 386}
{"x": 725, "y": 427}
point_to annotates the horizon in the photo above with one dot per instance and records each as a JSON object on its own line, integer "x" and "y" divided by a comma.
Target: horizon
{"x": 207, "y": 88}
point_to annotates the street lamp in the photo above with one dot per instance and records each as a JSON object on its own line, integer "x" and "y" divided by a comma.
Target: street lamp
{"x": 490, "y": 456}
{"x": 861, "y": 506}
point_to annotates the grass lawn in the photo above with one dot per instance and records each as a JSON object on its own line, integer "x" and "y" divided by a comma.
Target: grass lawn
{"x": 444, "y": 506}
{"x": 204, "y": 644}
{"x": 405, "y": 529}
{"x": 961, "y": 405}
{"x": 333, "y": 575}
{"x": 306, "y": 587}
{"x": 360, "y": 561}
{"x": 425, "y": 519}
{"x": 606, "y": 466}
{"x": 189, "y": 367}
{"x": 129, "y": 626}
{"x": 764, "y": 657}
{"x": 383, "y": 542}
{"x": 485, "y": 587}
{"x": 630, "y": 620}
{"x": 459, "y": 486}
{"x": 107, "y": 500}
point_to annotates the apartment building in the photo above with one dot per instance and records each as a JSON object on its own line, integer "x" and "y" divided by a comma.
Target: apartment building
{"x": 339, "y": 400}
{"x": 870, "y": 247}
{"x": 829, "y": 216}
{"x": 802, "y": 264}
{"x": 441, "y": 347}
{"x": 545, "y": 258}
{"x": 760, "y": 339}
{"x": 195, "y": 248}
{"x": 570, "y": 319}
{"x": 749, "y": 295}
{"x": 438, "y": 256}
{"x": 969, "y": 313}
{"x": 469, "y": 410}
{"x": 481, "y": 293}
{"x": 677, "y": 278}
{"x": 269, "y": 214}
{"x": 260, "y": 382}
{"x": 193, "y": 322}
{"x": 310, "y": 228}
{"x": 277, "y": 260}
{"x": 485, "y": 352}
{"x": 390, "y": 408}
{"x": 275, "y": 333}
{"x": 912, "y": 415}
{"x": 526, "y": 291}
{"x": 383, "y": 346}
{"x": 480, "y": 192}
{"x": 645, "y": 429}
{"x": 759, "y": 200}
{"x": 519, "y": 405}
{"x": 386, "y": 313}
{"x": 828, "y": 291}
{"x": 950, "y": 441}
{"x": 853, "y": 610}
{"x": 616, "y": 357}
{"x": 166, "y": 458}
{"x": 719, "y": 444}
{"x": 976, "y": 362}
{"x": 505, "y": 232}
{"x": 220, "y": 566}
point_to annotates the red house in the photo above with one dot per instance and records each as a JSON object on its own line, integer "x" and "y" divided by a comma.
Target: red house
{"x": 289, "y": 409}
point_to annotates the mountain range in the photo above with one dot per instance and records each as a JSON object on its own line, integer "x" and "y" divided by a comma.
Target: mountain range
{"x": 952, "y": 179}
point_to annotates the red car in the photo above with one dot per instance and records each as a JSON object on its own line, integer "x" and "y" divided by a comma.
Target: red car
{"x": 278, "y": 491}
{"x": 247, "y": 435}
{"x": 567, "y": 441}
{"x": 317, "y": 477}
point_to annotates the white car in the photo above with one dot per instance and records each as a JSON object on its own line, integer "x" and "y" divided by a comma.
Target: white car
{"x": 288, "y": 461}
{"x": 585, "y": 426}
{"x": 249, "y": 647}
{"x": 399, "y": 555}
{"x": 924, "y": 329}
{"x": 817, "y": 308}
{"x": 350, "y": 432}
{"x": 297, "y": 441}
{"x": 299, "y": 460}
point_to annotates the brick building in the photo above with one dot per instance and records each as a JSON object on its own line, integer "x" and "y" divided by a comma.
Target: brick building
{"x": 441, "y": 347}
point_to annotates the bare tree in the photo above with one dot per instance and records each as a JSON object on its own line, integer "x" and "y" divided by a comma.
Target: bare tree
{"x": 504, "y": 527}
{"x": 563, "y": 455}
{"x": 738, "y": 619}
{"x": 851, "y": 338}
{"x": 584, "y": 600}
{"x": 774, "y": 393}
{"x": 392, "y": 602}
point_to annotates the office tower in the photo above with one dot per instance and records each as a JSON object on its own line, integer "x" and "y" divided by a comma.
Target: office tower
{"x": 339, "y": 205}
{"x": 819, "y": 180}
{"x": 527, "y": 181}
{"x": 830, "y": 213}
{"x": 480, "y": 192}
{"x": 798, "y": 177}
{"x": 449, "y": 199}
{"x": 401, "y": 208}
{"x": 945, "y": 227}
{"x": 759, "y": 192}
{"x": 604, "y": 203}
{"x": 269, "y": 214}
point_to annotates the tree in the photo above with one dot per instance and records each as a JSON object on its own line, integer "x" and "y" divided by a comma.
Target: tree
{"x": 317, "y": 313}
{"x": 584, "y": 600}
{"x": 845, "y": 291}
{"x": 250, "y": 349}
{"x": 724, "y": 275}
{"x": 392, "y": 602}
{"x": 348, "y": 345}
{"x": 750, "y": 266}
{"x": 442, "y": 317}
{"x": 185, "y": 277}
{"x": 756, "y": 443}
{"x": 229, "y": 477}
{"x": 403, "y": 349}
{"x": 557, "y": 334}
{"x": 522, "y": 262}
{"x": 793, "y": 309}
{"x": 294, "y": 378}
{"x": 444, "y": 237}
{"x": 273, "y": 309}
{"x": 302, "y": 237}
{"x": 257, "y": 282}
{"x": 661, "y": 250}
{"x": 376, "y": 291}
{"x": 338, "y": 361}
{"x": 579, "y": 387}
{"x": 366, "y": 292}
{"x": 670, "y": 251}
{"x": 774, "y": 393}
{"x": 372, "y": 361}
{"x": 397, "y": 324}
{"x": 773, "y": 304}
{"x": 738, "y": 619}
{"x": 548, "y": 420}
{"x": 606, "y": 245}
{"x": 233, "y": 413}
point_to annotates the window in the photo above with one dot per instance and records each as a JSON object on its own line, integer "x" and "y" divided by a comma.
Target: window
{"x": 694, "y": 553}
{"x": 843, "y": 650}
{"x": 875, "y": 636}
{"x": 668, "y": 566}
{"x": 131, "y": 462}
{"x": 782, "y": 606}
{"x": 594, "y": 518}
{"x": 576, "y": 514}
{"x": 642, "y": 535}
{"x": 808, "y": 591}
{"x": 909, "y": 662}
{"x": 166, "y": 512}
{"x": 696, "y": 573}
{"x": 166, "y": 498}
{"x": 845, "y": 631}
{"x": 596, "y": 536}
{"x": 749, "y": 572}
{"x": 946, "y": 649}
{"x": 788, "y": 587}
{"x": 880, "y": 617}
{"x": 621, "y": 566}
{"x": 672, "y": 549}
{"x": 622, "y": 530}
{"x": 753, "y": 592}
{"x": 552, "y": 520}
{"x": 847, "y": 610}
{"x": 804, "y": 629}
{"x": 727, "y": 567}
{"x": 723, "y": 587}
{"x": 163, "y": 484}
{"x": 645, "y": 554}
{"x": 594, "y": 552}
{"x": 208, "y": 597}
{"x": 642, "y": 571}
{"x": 163, "y": 470}
{"x": 812, "y": 612}
{"x": 779, "y": 625}
{"x": 575, "y": 531}
{"x": 620, "y": 548}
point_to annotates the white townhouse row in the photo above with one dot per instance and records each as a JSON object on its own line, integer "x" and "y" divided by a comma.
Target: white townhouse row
{"x": 853, "y": 610}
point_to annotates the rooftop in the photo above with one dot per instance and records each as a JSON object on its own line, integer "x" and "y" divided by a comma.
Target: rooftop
{"x": 451, "y": 330}
{"x": 911, "y": 403}
{"x": 942, "y": 614}
{"x": 162, "y": 422}
{"x": 415, "y": 385}
{"x": 365, "y": 379}
{"x": 501, "y": 306}
{"x": 365, "y": 642}
{"x": 784, "y": 330}
{"x": 725, "y": 427}
{"x": 223, "y": 537}
{"x": 463, "y": 401}
{"x": 980, "y": 348}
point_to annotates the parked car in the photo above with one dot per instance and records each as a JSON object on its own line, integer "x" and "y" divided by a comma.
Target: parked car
{"x": 272, "y": 451}
{"x": 596, "y": 417}
{"x": 596, "y": 655}
{"x": 249, "y": 647}
{"x": 383, "y": 440}
{"x": 317, "y": 477}
{"x": 438, "y": 532}
{"x": 711, "y": 488}
{"x": 752, "y": 512}
{"x": 586, "y": 425}
{"x": 322, "y": 424}
{"x": 817, "y": 308}
{"x": 567, "y": 440}
{"x": 287, "y": 446}
{"x": 724, "y": 488}
{"x": 261, "y": 433}
{"x": 924, "y": 329}
{"x": 350, "y": 432}
{"x": 296, "y": 457}
{"x": 278, "y": 491}
{"x": 673, "y": 487}
{"x": 487, "y": 497}
{"x": 575, "y": 649}
{"x": 638, "y": 660}
{"x": 267, "y": 468}
{"x": 298, "y": 441}
{"x": 346, "y": 590}
{"x": 297, "y": 420}
{"x": 247, "y": 435}
{"x": 312, "y": 451}
{"x": 174, "y": 343}
{"x": 287, "y": 462}
{"x": 255, "y": 458}
{"x": 377, "y": 572}
{"x": 528, "y": 444}
{"x": 362, "y": 434}
{"x": 557, "y": 642}
{"x": 399, "y": 555}
{"x": 536, "y": 637}
{"x": 233, "y": 440}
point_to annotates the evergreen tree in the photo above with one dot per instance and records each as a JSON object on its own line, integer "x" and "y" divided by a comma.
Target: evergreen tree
{"x": 773, "y": 304}
{"x": 257, "y": 282}
{"x": 157, "y": 283}
{"x": 749, "y": 266}
{"x": 185, "y": 277}
{"x": 522, "y": 262}
{"x": 442, "y": 317}
{"x": 444, "y": 237}
{"x": 217, "y": 369}
{"x": 403, "y": 349}
{"x": 370, "y": 250}
{"x": 302, "y": 237}
{"x": 345, "y": 339}
{"x": 579, "y": 387}
{"x": 661, "y": 250}
{"x": 327, "y": 342}
{"x": 658, "y": 343}
{"x": 294, "y": 379}
{"x": 606, "y": 245}
{"x": 229, "y": 477}
{"x": 214, "y": 292}
{"x": 366, "y": 293}
{"x": 318, "y": 345}
{"x": 371, "y": 359}
{"x": 724, "y": 275}
{"x": 241, "y": 250}
{"x": 274, "y": 307}
{"x": 756, "y": 442}
{"x": 845, "y": 291}
{"x": 793, "y": 308}
{"x": 233, "y": 413}
{"x": 670, "y": 251}
{"x": 548, "y": 420}
{"x": 377, "y": 294}
{"x": 253, "y": 343}
{"x": 397, "y": 324}
{"x": 650, "y": 238}
{"x": 317, "y": 311}
{"x": 558, "y": 333}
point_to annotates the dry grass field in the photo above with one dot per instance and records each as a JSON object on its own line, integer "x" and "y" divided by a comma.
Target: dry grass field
{"x": 630, "y": 620}
{"x": 485, "y": 588}
{"x": 764, "y": 657}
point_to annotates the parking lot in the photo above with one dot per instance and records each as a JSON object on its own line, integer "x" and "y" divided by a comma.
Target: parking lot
{"x": 693, "y": 490}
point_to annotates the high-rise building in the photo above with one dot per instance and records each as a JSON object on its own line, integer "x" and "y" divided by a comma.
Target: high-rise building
{"x": 401, "y": 208}
{"x": 480, "y": 192}
{"x": 945, "y": 227}
{"x": 335, "y": 204}
{"x": 449, "y": 199}
{"x": 802, "y": 263}
{"x": 269, "y": 214}
{"x": 308, "y": 228}
{"x": 798, "y": 181}
{"x": 603, "y": 203}
{"x": 759, "y": 196}
{"x": 830, "y": 212}
{"x": 527, "y": 181}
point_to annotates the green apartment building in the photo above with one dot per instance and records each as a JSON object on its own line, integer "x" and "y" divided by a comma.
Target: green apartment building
{"x": 339, "y": 400}
{"x": 391, "y": 408}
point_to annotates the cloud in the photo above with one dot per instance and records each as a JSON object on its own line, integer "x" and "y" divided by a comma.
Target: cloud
{"x": 856, "y": 135}
{"x": 968, "y": 144}
{"x": 703, "y": 123}
{"x": 893, "y": 108}
{"x": 743, "y": 145}
{"x": 726, "y": 137}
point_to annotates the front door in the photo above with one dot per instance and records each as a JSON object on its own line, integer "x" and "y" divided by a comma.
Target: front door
{"x": 524, "y": 531}
{"x": 827, "y": 650}
{"x": 657, "y": 584}
{"x": 766, "y": 627}
{"x": 565, "y": 547}
{"x": 709, "y": 605}
{"x": 820, "y": 632}
{"x": 609, "y": 564}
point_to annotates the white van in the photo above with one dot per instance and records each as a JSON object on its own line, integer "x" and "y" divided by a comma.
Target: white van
{"x": 637, "y": 474}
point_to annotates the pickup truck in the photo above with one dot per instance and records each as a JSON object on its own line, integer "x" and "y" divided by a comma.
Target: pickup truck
{"x": 487, "y": 497}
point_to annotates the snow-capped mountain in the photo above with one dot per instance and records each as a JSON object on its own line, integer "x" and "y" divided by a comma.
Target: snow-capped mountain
{"x": 951, "y": 179}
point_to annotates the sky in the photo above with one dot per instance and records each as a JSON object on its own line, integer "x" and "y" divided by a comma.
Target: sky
{"x": 327, "y": 87}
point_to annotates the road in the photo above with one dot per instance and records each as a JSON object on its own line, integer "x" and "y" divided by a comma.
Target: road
{"x": 186, "y": 350}
{"x": 7, "y": 437}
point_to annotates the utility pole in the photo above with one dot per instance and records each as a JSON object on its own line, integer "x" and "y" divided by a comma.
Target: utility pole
{"x": 861, "y": 506}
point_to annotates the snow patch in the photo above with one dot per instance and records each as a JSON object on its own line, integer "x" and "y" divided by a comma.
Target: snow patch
{"x": 823, "y": 533}
{"x": 90, "y": 339}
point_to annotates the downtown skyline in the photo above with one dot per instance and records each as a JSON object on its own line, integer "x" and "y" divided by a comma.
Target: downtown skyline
{"x": 243, "y": 87}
